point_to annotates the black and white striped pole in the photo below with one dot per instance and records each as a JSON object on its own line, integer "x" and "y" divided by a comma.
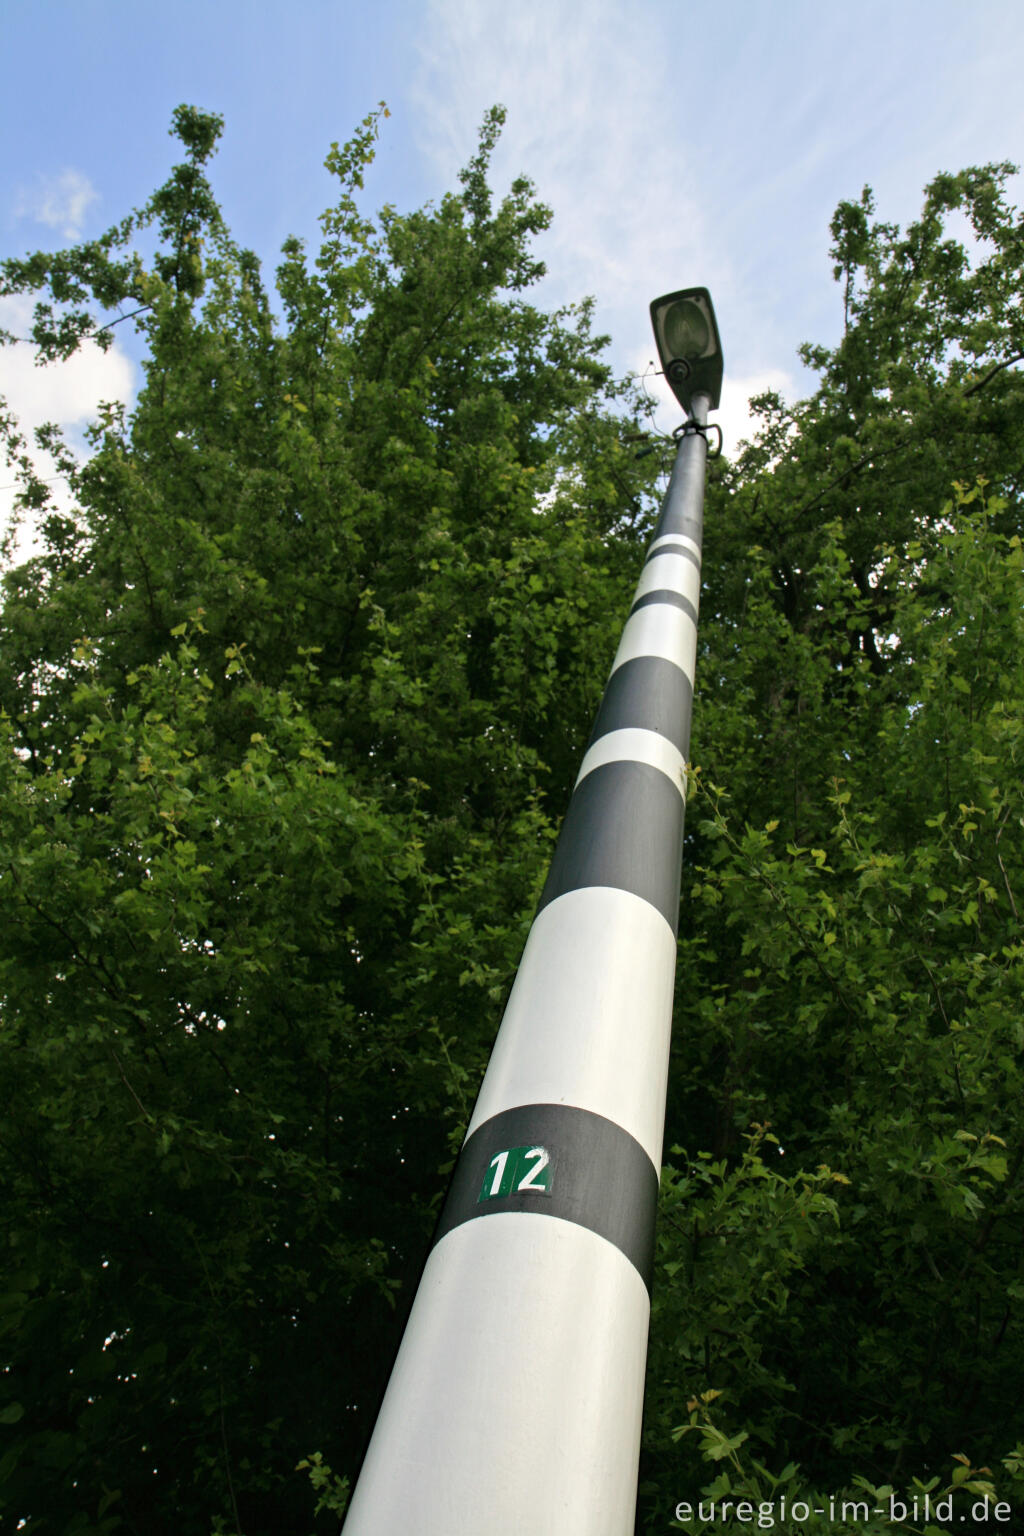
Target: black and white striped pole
{"x": 514, "y": 1405}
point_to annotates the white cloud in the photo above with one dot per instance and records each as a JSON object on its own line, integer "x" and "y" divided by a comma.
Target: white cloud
{"x": 67, "y": 393}
{"x": 580, "y": 85}
{"x": 734, "y": 417}
{"x": 676, "y": 153}
{"x": 59, "y": 201}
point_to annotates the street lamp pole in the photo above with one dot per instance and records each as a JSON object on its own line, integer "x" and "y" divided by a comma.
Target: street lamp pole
{"x": 514, "y": 1406}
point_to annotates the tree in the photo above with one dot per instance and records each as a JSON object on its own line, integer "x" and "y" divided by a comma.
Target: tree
{"x": 292, "y": 704}
{"x": 851, "y": 962}
{"x": 289, "y": 703}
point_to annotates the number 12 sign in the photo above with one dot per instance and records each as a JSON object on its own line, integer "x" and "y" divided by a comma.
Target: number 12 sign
{"x": 517, "y": 1171}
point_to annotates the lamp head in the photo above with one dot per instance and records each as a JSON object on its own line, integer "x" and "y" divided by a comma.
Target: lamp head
{"x": 689, "y": 345}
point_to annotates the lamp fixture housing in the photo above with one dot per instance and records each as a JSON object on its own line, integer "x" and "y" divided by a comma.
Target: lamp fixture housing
{"x": 689, "y": 346}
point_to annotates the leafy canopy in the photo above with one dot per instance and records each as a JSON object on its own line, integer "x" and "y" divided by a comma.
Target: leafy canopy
{"x": 292, "y": 701}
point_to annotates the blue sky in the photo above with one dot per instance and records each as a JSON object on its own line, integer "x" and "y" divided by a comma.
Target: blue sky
{"x": 676, "y": 144}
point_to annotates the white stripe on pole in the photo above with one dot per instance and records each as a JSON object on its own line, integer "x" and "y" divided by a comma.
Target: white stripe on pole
{"x": 472, "y": 1438}
{"x": 637, "y": 746}
{"x": 674, "y": 538}
{"x": 672, "y": 573}
{"x": 591, "y": 1007}
{"x": 659, "y": 630}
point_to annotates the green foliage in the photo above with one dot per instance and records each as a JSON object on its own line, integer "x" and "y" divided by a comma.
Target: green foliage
{"x": 332, "y": 1491}
{"x": 850, "y": 959}
{"x": 291, "y": 705}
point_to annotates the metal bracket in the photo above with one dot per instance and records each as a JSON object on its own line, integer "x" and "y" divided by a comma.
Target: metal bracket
{"x": 691, "y": 428}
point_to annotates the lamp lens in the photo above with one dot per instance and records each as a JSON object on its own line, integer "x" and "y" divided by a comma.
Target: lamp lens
{"x": 687, "y": 332}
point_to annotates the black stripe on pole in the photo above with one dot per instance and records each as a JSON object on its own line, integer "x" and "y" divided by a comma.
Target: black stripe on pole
{"x": 673, "y": 599}
{"x": 599, "y": 1177}
{"x": 649, "y": 693}
{"x": 682, "y": 514}
{"x": 623, "y": 828}
{"x": 675, "y": 549}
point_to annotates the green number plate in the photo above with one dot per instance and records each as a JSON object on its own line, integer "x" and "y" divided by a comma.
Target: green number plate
{"x": 517, "y": 1171}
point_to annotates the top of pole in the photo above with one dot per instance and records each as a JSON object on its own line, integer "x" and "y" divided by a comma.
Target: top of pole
{"x": 700, "y": 404}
